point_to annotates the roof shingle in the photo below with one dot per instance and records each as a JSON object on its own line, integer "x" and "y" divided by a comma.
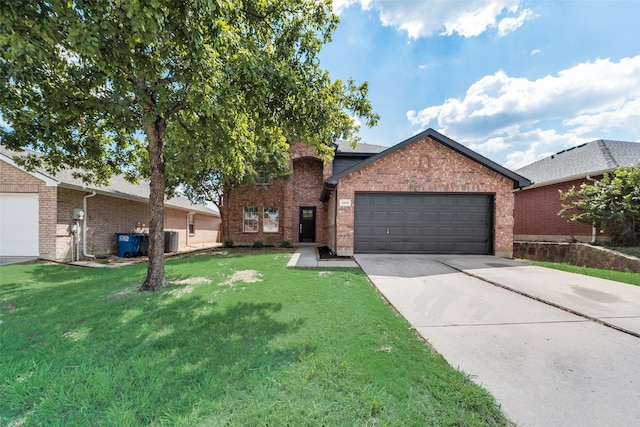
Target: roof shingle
{"x": 345, "y": 148}
{"x": 118, "y": 186}
{"x": 592, "y": 158}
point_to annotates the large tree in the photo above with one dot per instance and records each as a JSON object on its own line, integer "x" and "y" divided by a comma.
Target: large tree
{"x": 119, "y": 86}
{"x": 209, "y": 179}
{"x": 612, "y": 203}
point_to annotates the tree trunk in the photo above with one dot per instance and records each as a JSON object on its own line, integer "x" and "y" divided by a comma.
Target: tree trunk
{"x": 155, "y": 273}
{"x": 224, "y": 232}
{"x": 224, "y": 220}
{"x": 218, "y": 202}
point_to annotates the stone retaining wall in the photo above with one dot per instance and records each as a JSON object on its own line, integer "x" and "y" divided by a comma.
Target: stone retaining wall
{"x": 580, "y": 254}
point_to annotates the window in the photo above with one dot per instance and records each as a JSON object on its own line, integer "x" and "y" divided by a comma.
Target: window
{"x": 191, "y": 221}
{"x": 250, "y": 219}
{"x": 270, "y": 220}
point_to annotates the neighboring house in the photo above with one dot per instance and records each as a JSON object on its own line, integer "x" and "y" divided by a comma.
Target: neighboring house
{"x": 39, "y": 212}
{"x": 537, "y": 206}
{"x": 428, "y": 194}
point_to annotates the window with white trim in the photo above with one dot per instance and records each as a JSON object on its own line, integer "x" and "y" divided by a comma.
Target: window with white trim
{"x": 191, "y": 218}
{"x": 250, "y": 219}
{"x": 270, "y": 219}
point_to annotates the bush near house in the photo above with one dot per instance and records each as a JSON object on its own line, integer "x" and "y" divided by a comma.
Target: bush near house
{"x": 612, "y": 203}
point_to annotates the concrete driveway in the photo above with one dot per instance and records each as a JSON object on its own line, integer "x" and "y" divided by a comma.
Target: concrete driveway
{"x": 554, "y": 348}
{"x": 7, "y": 260}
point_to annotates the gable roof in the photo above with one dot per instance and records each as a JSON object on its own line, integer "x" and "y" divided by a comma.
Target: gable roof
{"x": 593, "y": 158}
{"x": 518, "y": 180}
{"x": 118, "y": 185}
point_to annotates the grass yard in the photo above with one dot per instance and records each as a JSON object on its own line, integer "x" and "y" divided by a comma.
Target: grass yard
{"x": 618, "y": 276}
{"x": 235, "y": 339}
{"x": 633, "y": 251}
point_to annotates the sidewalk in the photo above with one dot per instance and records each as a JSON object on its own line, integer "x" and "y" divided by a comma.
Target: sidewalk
{"x": 610, "y": 303}
{"x": 307, "y": 257}
{"x": 535, "y": 338}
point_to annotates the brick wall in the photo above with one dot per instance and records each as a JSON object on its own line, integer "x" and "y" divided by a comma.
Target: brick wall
{"x": 254, "y": 195}
{"x": 14, "y": 180}
{"x": 310, "y": 172}
{"x": 307, "y": 183}
{"x": 206, "y": 227}
{"x": 107, "y": 215}
{"x": 302, "y": 188}
{"x": 536, "y": 215}
{"x": 427, "y": 166}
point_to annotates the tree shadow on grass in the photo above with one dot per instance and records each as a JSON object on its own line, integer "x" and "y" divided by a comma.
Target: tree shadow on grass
{"x": 142, "y": 356}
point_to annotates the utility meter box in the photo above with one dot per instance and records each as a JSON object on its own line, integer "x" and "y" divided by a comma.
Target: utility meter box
{"x": 78, "y": 214}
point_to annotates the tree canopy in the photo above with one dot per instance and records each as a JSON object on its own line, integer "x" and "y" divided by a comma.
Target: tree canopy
{"x": 147, "y": 87}
{"x": 612, "y": 203}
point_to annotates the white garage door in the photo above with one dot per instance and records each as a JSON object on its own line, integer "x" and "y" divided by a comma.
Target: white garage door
{"x": 18, "y": 224}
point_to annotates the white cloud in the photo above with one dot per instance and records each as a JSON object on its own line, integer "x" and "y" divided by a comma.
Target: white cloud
{"x": 536, "y": 144}
{"x": 491, "y": 146}
{"x": 467, "y": 18}
{"x": 628, "y": 113}
{"x": 535, "y": 51}
{"x": 340, "y": 5}
{"x": 576, "y": 105}
{"x": 425, "y": 116}
{"x": 510, "y": 24}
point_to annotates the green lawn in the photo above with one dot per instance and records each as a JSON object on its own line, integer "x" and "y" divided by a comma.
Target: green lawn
{"x": 235, "y": 340}
{"x": 633, "y": 251}
{"x": 618, "y": 276}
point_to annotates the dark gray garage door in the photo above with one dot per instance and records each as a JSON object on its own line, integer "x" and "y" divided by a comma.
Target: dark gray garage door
{"x": 437, "y": 223}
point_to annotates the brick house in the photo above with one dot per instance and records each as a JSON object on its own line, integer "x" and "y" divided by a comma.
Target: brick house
{"x": 537, "y": 206}
{"x": 428, "y": 194}
{"x": 38, "y": 213}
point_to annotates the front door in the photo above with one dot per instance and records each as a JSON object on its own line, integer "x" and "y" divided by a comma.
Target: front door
{"x": 307, "y": 226}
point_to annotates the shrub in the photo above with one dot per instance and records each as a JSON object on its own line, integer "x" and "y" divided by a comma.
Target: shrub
{"x": 258, "y": 244}
{"x": 612, "y": 203}
{"x": 286, "y": 244}
{"x": 228, "y": 243}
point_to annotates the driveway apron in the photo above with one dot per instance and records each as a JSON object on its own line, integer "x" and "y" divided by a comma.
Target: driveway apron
{"x": 554, "y": 348}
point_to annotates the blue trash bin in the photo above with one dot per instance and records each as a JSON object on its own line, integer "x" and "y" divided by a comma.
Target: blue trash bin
{"x": 128, "y": 244}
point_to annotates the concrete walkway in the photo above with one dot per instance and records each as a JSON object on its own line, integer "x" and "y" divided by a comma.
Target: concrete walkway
{"x": 549, "y": 358}
{"x": 307, "y": 257}
{"x": 8, "y": 260}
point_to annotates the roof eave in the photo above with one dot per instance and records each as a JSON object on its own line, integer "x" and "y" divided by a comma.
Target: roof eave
{"x": 568, "y": 178}
{"x": 518, "y": 180}
{"x": 110, "y": 193}
{"x": 48, "y": 181}
{"x": 327, "y": 191}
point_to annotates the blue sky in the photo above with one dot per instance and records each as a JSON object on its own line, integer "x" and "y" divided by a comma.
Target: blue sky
{"x": 514, "y": 80}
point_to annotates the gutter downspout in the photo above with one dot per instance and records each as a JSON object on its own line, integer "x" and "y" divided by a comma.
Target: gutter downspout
{"x": 335, "y": 220}
{"x": 186, "y": 238}
{"x": 593, "y": 226}
{"x": 84, "y": 226}
{"x": 76, "y": 235}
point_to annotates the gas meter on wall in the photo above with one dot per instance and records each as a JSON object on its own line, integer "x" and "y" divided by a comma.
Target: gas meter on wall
{"x": 78, "y": 214}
